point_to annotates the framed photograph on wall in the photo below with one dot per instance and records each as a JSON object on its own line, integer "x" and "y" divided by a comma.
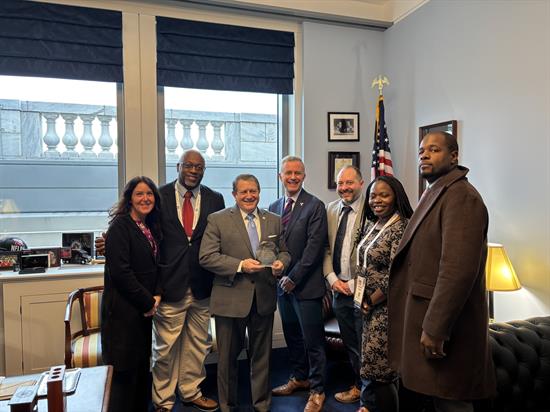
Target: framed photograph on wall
{"x": 338, "y": 160}
{"x": 343, "y": 127}
{"x": 450, "y": 126}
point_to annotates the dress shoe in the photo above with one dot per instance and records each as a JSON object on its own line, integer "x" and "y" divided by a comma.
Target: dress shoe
{"x": 202, "y": 403}
{"x": 290, "y": 387}
{"x": 349, "y": 396}
{"x": 315, "y": 402}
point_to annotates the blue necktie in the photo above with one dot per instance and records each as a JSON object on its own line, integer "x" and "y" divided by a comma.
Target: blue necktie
{"x": 252, "y": 233}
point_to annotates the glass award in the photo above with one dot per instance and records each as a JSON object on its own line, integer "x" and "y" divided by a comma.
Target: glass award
{"x": 267, "y": 253}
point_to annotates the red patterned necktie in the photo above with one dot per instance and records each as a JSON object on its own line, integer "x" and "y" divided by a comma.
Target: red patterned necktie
{"x": 187, "y": 213}
{"x": 285, "y": 218}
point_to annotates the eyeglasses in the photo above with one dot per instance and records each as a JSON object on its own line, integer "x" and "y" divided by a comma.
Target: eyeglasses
{"x": 198, "y": 167}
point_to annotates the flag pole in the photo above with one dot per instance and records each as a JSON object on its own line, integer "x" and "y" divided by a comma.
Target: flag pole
{"x": 382, "y": 164}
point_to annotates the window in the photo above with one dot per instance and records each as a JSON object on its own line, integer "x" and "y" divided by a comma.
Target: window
{"x": 237, "y": 132}
{"x": 58, "y": 157}
{"x": 222, "y": 86}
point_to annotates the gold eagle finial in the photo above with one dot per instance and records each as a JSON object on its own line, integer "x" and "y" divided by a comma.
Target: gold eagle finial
{"x": 380, "y": 81}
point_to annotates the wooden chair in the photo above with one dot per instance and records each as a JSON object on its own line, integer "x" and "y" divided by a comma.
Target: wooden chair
{"x": 83, "y": 341}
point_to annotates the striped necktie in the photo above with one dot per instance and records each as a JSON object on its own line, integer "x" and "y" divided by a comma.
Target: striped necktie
{"x": 285, "y": 218}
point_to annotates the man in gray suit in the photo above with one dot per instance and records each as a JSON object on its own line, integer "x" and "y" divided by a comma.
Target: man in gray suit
{"x": 244, "y": 295}
{"x": 344, "y": 220}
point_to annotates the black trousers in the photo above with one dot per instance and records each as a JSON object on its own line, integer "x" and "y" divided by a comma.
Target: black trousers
{"x": 131, "y": 389}
{"x": 304, "y": 332}
{"x": 351, "y": 327}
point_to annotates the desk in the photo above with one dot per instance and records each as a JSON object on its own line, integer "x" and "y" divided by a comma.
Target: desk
{"x": 32, "y": 333}
{"x": 91, "y": 395}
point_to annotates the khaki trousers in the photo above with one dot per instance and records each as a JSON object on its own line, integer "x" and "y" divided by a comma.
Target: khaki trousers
{"x": 180, "y": 346}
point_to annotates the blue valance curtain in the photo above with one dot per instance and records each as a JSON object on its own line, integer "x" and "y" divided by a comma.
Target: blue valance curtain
{"x": 52, "y": 40}
{"x": 214, "y": 56}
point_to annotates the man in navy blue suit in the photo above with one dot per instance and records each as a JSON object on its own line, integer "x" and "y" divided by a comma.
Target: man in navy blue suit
{"x": 301, "y": 290}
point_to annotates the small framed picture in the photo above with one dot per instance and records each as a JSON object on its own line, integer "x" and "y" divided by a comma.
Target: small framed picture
{"x": 54, "y": 254}
{"x": 34, "y": 263}
{"x": 79, "y": 241}
{"x": 338, "y": 160}
{"x": 8, "y": 260}
{"x": 343, "y": 127}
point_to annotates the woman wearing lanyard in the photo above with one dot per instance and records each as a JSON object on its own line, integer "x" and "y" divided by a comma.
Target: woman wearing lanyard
{"x": 129, "y": 300}
{"x": 387, "y": 209}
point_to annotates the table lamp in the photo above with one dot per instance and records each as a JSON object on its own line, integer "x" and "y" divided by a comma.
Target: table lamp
{"x": 499, "y": 273}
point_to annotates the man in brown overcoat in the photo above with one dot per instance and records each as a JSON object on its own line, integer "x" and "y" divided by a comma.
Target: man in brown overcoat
{"x": 438, "y": 321}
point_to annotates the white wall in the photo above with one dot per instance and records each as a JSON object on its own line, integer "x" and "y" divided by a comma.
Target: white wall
{"x": 339, "y": 64}
{"x": 486, "y": 64}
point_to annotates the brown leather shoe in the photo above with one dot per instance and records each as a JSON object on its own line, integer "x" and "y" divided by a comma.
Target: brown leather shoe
{"x": 290, "y": 387}
{"x": 315, "y": 402}
{"x": 202, "y": 403}
{"x": 349, "y": 396}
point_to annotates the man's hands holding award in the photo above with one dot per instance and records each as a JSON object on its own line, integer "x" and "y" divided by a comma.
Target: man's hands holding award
{"x": 266, "y": 256}
{"x": 253, "y": 266}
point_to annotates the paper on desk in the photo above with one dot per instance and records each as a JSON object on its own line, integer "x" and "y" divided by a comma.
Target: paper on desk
{"x": 7, "y": 390}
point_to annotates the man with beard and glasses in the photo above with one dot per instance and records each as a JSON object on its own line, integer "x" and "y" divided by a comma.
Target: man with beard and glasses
{"x": 339, "y": 268}
{"x": 180, "y": 338}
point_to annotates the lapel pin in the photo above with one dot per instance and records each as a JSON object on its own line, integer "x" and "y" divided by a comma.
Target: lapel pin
{"x": 301, "y": 203}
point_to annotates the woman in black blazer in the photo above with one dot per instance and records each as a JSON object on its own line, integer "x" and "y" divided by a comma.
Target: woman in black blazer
{"x": 129, "y": 299}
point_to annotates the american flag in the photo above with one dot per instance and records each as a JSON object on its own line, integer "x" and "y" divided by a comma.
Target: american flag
{"x": 381, "y": 154}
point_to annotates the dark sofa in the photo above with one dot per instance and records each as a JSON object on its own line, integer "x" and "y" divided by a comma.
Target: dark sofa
{"x": 521, "y": 354}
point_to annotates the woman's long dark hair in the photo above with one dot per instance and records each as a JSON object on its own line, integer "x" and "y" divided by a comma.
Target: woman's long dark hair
{"x": 402, "y": 204}
{"x": 123, "y": 206}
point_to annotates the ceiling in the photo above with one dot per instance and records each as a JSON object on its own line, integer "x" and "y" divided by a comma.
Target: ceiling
{"x": 379, "y": 14}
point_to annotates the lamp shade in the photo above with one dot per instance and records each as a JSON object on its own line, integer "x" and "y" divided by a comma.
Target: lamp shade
{"x": 499, "y": 272}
